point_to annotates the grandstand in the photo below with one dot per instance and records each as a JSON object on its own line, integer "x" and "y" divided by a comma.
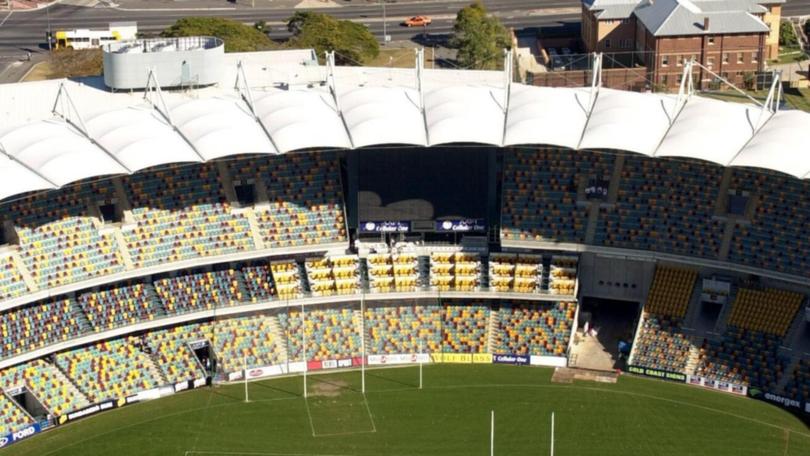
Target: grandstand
{"x": 167, "y": 260}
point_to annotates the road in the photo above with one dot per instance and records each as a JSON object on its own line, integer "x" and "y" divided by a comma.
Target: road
{"x": 21, "y": 31}
{"x": 25, "y": 31}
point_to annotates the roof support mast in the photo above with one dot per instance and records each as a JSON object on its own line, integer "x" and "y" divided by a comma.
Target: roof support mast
{"x": 332, "y": 83}
{"x": 766, "y": 113}
{"x": 419, "y": 65}
{"x": 596, "y": 84}
{"x": 508, "y": 74}
{"x": 243, "y": 88}
{"x": 151, "y": 92}
{"x": 685, "y": 91}
{"x": 64, "y": 107}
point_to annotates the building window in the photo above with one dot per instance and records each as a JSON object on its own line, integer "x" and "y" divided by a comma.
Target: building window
{"x": 755, "y": 57}
{"x": 711, "y": 40}
{"x": 710, "y": 62}
{"x": 740, "y": 57}
{"x": 665, "y": 79}
{"x": 725, "y": 57}
{"x": 607, "y": 44}
{"x": 665, "y": 60}
{"x": 679, "y": 61}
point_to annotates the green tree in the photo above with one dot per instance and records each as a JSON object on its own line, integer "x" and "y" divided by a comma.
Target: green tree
{"x": 787, "y": 36}
{"x": 353, "y": 43}
{"x": 238, "y": 37}
{"x": 479, "y": 38}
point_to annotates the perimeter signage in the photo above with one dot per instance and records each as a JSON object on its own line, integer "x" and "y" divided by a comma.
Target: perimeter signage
{"x": 460, "y": 225}
{"x": 519, "y": 360}
{"x": 20, "y": 435}
{"x": 384, "y": 226}
{"x": 657, "y": 373}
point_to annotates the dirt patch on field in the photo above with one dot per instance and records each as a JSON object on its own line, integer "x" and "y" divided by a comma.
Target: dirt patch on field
{"x": 568, "y": 375}
{"x": 329, "y": 389}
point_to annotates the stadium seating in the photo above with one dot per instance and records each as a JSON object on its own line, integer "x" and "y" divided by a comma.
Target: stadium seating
{"x": 670, "y": 292}
{"x": 393, "y": 329}
{"x": 180, "y": 213}
{"x": 44, "y": 381}
{"x": 305, "y": 198}
{"x": 12, "y": 417}
{"x": 661, "y": 344}
{"x": 743, "y": 357}
{"x": 11, "y": 281}
{"x": 333, "y": 275}
{"x": 201, "y": 291}
{"x": 174, "y": 357}
{"x": 515, "y": 273}
{"x": 259, "y": 282}
{"x": 27, "y": 328}
{"x": 253, "y": 340}
{"x": 664, "y": 206}
{"x": 770, "y": 310}
{"x": 798, "y": 386}
{"x": 59, "y": 242}
{"x": 465, "y": 326}
{"x": 776, "y": 237}
{"x": 109, "y": 370}
{"x": 540, "y": 189}
{"x": 563, "y": 275}
{"x": 119, "y": 306}
{"x": 459, "y": 271}
{"x": 331, "y": 333}
{"x": 527, "y": 328}
{"x": 287, "y": 277}
{"x": 388, "y": 273}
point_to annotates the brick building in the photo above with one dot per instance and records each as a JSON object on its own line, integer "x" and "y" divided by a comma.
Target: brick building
{"x": 732, "y": 38}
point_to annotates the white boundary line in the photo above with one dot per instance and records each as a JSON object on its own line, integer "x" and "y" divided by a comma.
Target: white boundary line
{"x": 250, "y": 453}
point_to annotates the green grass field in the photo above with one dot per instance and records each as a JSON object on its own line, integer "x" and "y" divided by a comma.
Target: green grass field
{"x": 450, "y": 416}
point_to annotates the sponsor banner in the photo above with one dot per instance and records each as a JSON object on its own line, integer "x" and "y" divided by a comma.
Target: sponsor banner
{"x": 334, "y": 363}
{"x": 552, "y": 361}
{"x": 807, "y": 407}
{"x": 199, "y": 383}
{"x": 407, "y": 358}
{"x": 482, "y": 358}
{"x": 266, "y": 371}
{"x": 657, "y": 373}
{"x": 234, "y": 376}
{"x": 384, "y": 226}
{"x": 462, "y": 358}
{"x": 725, "y": 387}
{"x": 20, "y": 435}
{"x": 182, "y": 386}
{"x": 783, "y": 401}
{"x": 92, "y": 410}
{"x": 523, "y": 360}
{"x": 314, "y": 365}
{"x": 460, "y": 225}
{"x": 297, "y": 366}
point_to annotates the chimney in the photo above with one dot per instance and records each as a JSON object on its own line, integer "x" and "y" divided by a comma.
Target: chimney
{"x": 705, "y": 24}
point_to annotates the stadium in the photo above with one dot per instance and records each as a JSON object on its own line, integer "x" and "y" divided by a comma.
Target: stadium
{"x": 254, "y": 254}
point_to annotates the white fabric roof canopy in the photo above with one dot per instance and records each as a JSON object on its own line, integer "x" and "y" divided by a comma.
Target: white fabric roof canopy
{"x": 50, "y": 153}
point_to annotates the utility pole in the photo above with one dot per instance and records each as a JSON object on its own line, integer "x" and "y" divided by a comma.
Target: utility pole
{"x": 385, "y": 24}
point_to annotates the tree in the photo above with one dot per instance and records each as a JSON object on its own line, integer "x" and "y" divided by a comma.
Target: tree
{"x": 787, "y": 36}
{"x": 479, "y": 38}
{"x": 353, "y": 43}
{"x": 238, "y": 37}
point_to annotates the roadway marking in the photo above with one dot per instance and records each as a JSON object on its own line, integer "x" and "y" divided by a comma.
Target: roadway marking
{"x": 6, "y": 18}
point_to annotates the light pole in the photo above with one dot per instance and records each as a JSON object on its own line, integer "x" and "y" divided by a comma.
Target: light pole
{"x": 385, "y": 23}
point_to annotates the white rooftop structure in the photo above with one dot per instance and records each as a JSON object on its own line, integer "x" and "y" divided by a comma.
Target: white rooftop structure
{"x": 58, "y": 132}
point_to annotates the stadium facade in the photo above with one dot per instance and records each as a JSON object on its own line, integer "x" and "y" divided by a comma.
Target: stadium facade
{"x": 176, "y": 235}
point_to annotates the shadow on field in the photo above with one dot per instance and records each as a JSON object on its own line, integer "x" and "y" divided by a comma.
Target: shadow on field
{"x": 381, "y": 376}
